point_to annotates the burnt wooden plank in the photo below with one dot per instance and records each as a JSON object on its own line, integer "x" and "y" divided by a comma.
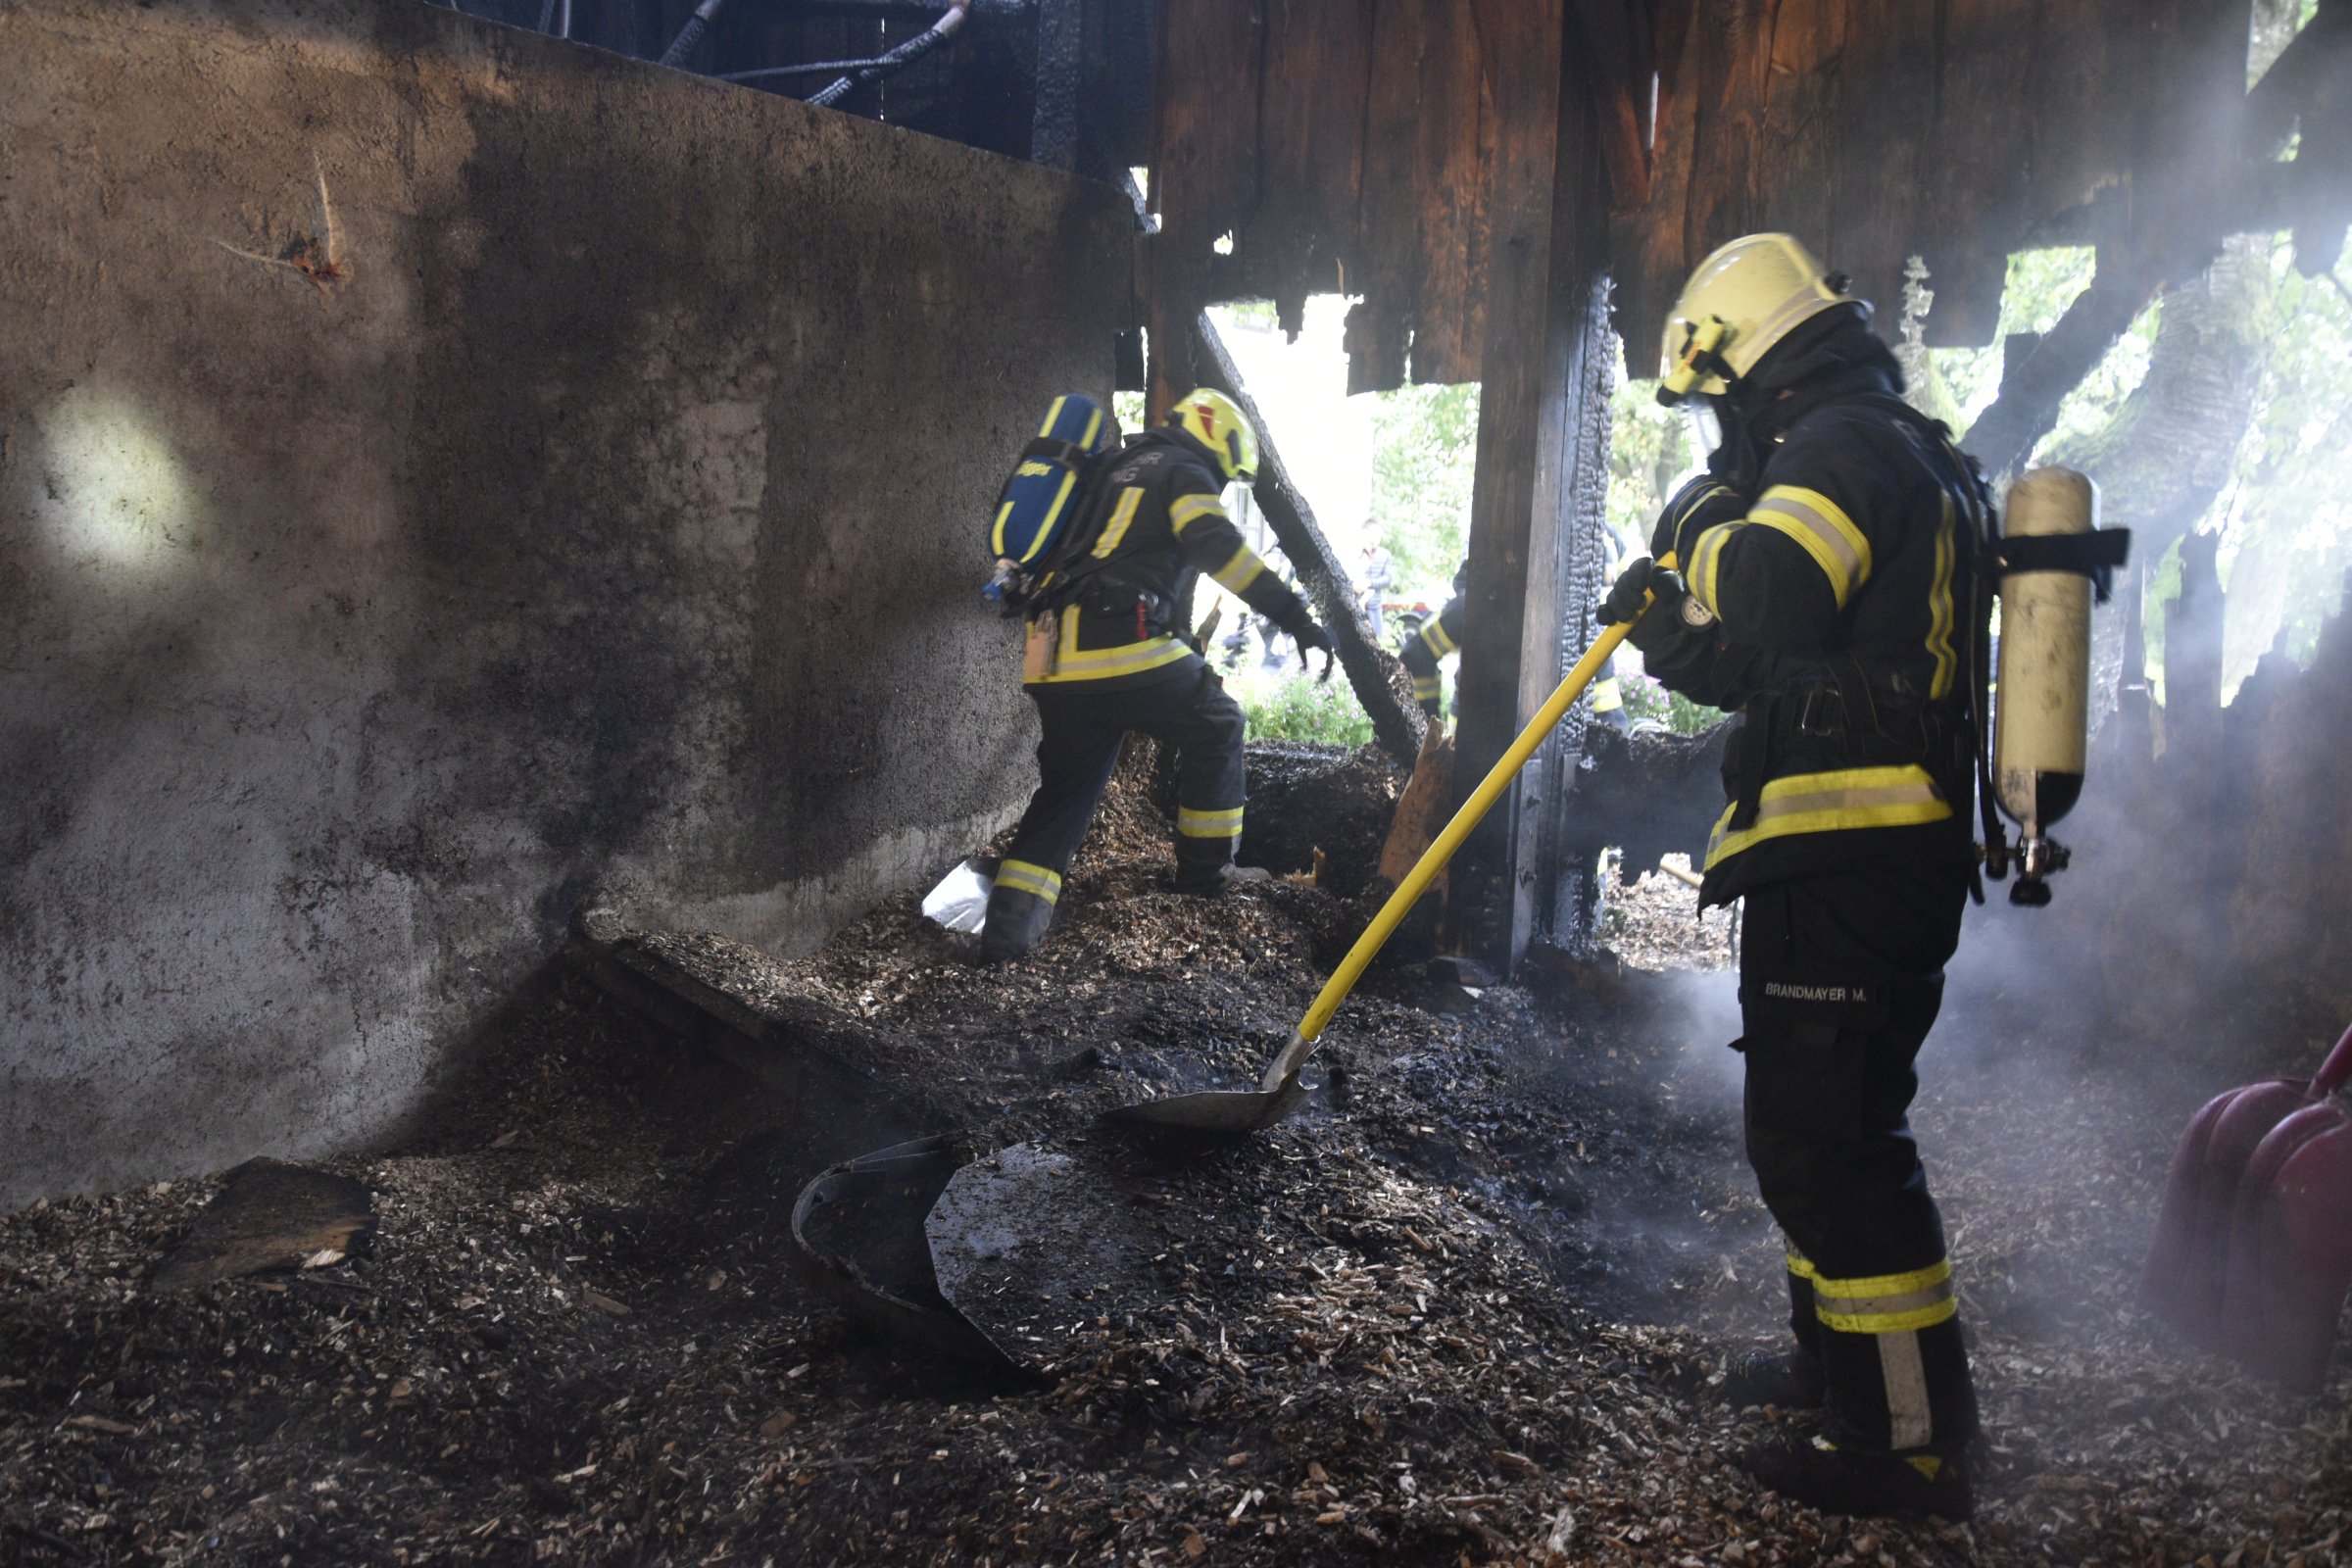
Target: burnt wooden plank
{"x": 1387, "y": 241}
{"x": 1979, "y": 161}
{"x": 1796, "y": 106}
{"x": 1546, "y": 220}
{"x": 1453, "y": 147}
{"x": 1887, "y": 107}
{"x": 1203, "y": 168}
{"x": 1612, "y": 57}
{"x": 1317, "y": 71}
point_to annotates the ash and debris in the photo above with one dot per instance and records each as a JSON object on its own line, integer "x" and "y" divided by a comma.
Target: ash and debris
{"x": 1463, "y": 1308}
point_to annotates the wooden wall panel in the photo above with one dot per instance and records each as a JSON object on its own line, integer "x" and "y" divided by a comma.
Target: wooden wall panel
{"x": 1959, "y": 131}
{"x": 1317, "y": 71}
{"x": 1454, "y": 163}
{"x": 1359, "y": 140}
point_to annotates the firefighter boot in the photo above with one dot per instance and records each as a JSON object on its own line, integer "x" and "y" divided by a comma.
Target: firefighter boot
{"x": 1790, "y": 1380}
{"x": 1793, "y": 1380}
{"x": 1017, "y": 918}
{"x": 1820, "y": 1473}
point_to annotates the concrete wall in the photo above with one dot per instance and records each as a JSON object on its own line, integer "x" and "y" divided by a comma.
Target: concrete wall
{"x": 610, "y": 525}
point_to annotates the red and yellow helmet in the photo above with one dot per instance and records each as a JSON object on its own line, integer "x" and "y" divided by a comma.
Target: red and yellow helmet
{"x": 1215, "y": 422}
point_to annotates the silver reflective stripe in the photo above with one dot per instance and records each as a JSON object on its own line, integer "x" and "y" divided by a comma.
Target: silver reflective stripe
{"x": 1910, "y": 1419}
{"x": 1879, "y": 1306}
{"x": 1853, "y": 567}
{"x": 1025, "y": 877}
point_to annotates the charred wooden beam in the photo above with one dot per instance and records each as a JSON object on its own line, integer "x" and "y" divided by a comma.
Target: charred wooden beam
{"x": 1542, "y": 405}
{"x": 1054, "y": 140}
{"x": 1378, "y": 678}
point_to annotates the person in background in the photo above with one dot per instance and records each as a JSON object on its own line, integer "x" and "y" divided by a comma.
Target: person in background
{"x": 1441, "y": 638}
{"x": 1105, "y": 652}
{"x": 1825, "y": 560}
{"x": 1380, "y": 575}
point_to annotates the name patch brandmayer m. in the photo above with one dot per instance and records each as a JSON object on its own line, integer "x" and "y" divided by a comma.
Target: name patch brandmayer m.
{"x": 1790, "y": 991}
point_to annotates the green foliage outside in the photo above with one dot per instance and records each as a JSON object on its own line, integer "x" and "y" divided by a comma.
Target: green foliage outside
{"x": 1293, "y": 706}
{"x": 2285, "y": 518}
{"x": 1424, "y": 450}
{"x": 2286, "y": 512}
{"x": 1646, "y": 699}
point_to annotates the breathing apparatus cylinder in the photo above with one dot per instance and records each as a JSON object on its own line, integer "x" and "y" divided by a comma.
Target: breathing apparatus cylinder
{"x": 2042, "y": 697}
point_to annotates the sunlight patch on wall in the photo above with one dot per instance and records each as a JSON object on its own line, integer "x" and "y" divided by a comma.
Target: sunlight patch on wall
{"x": 113, "y": 492}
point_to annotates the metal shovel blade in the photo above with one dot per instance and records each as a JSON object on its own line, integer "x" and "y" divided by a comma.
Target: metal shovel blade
{"x": 1279, "y": 1092}
{"x": 1223, "y": 1112}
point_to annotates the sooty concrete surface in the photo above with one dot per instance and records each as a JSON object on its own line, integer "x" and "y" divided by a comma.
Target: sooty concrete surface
{"x": 448, "y": 474}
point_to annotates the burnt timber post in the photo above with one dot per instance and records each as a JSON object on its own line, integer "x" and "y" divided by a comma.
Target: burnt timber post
{"x": 1543, "y": 393}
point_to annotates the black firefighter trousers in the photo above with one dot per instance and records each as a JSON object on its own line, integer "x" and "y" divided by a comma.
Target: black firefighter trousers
{"x": 1083, "y": 729}
{"x": 1840, "y": 978}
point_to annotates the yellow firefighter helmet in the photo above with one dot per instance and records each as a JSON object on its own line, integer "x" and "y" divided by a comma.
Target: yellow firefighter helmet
{"x": 1740, "y": 303}
{"x": 1215, "y": 422}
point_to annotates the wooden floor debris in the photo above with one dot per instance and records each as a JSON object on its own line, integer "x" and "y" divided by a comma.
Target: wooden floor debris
{"x": 1466, "y": 1308}
{"x": 270, "y": 1217}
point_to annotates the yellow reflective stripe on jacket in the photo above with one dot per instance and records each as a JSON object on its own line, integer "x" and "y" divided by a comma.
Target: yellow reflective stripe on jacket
{"x": 1194, "y": 825}
{"x": 1185, "y": 509}
{"x": 1434, "y": 638}
{"x": 1939, "y": 610}
{"x": 1114, "y": 529}
{"x": 1426, "y": 687}
{"x": 1705, "y": 555}
{"x": 1044, "y": 532}
{"x": 1821, "y": 527}
{"x": 1026, "y": 876}
{"x": 1240, "y": 571}
{"x": 1094, "y": 424}
{"x": 1903, "y": 796}
{"x": 1100, "y": 664}
{"x": 1801, "y": 1267}
{"x": 1887, "y": 1303}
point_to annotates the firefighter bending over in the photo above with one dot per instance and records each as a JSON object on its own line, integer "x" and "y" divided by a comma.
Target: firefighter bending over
{"x": 1440, "y": 637}
{"x": 1825, "y": 578}
{"x": 1105, "y": 652}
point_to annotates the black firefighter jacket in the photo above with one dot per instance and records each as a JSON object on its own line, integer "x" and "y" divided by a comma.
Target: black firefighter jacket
{"x": 1117, "y": 611}
{"x": 1835, "y": 614}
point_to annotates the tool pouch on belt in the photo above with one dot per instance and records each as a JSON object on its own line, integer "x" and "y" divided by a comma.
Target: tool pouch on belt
{"x": 1126, "y": 607}
{"x": 1837, "y": 718}
{"x": 1039, "y": 646}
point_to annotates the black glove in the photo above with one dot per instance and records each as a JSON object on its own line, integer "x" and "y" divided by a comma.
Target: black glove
{"x": 1632, "y": 589}
{"x": 1312, "y": 638}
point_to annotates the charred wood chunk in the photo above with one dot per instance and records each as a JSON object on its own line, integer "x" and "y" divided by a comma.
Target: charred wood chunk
{"x": 1650, "y": 793}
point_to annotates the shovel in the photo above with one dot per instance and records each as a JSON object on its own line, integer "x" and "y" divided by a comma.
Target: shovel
{"x": 2253, "y": 1252}
{"x": 1279, "y": 1092}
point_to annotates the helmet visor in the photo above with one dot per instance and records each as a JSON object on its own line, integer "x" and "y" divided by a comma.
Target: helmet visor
{"x": 1706, "y": 424}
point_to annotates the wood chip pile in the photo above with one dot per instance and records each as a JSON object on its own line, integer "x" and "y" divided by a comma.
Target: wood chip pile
{"x": 1465, "y": 1309}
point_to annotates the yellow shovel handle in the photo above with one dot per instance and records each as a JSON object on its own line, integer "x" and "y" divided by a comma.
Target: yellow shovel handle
{"x": 1474, "y": 809}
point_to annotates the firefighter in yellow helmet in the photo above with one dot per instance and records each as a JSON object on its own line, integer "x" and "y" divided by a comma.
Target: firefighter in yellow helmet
{"x": 1105, "y": 652}
{"x": 1825, "y": 578}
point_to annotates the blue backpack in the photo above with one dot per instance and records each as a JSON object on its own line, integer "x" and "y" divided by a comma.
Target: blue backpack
{"x": 1043, "y": 505}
